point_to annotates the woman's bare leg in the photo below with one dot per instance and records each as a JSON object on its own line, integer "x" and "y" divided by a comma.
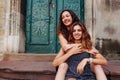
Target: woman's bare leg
{"x": 62, "y": 69}
{"x": 98, "y": 70}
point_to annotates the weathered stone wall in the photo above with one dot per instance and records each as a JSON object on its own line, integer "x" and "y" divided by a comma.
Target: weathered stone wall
{"x": 11, "y": 23}
{"x": 2, "y": 20}
{"x": 106, "y": 26}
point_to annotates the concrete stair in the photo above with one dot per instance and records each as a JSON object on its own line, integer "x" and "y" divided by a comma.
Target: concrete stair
{"x": 27, "y": 67}
{"x": 39, "y": 67}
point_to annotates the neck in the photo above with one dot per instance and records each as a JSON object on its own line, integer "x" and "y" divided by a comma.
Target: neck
{"x": 68, "y": 27}
{"x": 77, "y": 41}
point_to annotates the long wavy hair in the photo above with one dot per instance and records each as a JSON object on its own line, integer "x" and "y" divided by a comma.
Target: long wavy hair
{"x": 62, "y": 28}
{"x": 85, "y": 38}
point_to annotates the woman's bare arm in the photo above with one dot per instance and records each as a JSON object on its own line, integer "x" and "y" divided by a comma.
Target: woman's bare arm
{"x": 98, "y": 57}
{"x": 64, "y": 43}
{"x": 61, "y": 57}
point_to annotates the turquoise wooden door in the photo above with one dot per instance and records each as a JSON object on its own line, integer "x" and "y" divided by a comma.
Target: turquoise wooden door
{"x": 41, "y": 23}
{"x": 41, "y": 26}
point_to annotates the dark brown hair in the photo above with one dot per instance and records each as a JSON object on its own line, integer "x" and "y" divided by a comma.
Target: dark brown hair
{"x": 62, "y": 28}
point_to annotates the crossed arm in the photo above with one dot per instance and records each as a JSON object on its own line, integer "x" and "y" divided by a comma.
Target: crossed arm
{"x": 62, "y": 57}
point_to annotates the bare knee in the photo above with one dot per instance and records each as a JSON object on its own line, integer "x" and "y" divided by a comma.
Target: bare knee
{"x": 63, "y": 66}
{"x": 61, "y": 71}
{"x": 96, "y": 68}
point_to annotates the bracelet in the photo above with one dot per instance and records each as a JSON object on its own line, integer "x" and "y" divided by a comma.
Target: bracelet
{"x": 90, "y": 60}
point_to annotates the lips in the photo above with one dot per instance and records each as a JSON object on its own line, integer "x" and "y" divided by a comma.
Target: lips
{"x": 77, "y": 36}
{"x": 67, "y": 22}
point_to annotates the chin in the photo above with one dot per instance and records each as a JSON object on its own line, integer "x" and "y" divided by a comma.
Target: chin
{"x": 77, "y": 38}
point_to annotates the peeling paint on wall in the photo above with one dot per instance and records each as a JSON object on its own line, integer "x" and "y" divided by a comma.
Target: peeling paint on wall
{"x": 112, "y": 4}
{"x": 110, "y": 30}
{"x": 107, "y": 27}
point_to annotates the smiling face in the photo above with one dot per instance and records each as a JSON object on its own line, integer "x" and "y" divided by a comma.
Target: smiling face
{"x": 77, "y": 32}
{"x": 66, "y": 18}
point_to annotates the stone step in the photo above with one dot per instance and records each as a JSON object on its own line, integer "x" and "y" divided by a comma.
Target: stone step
{"x": 26, "y": 76}
{"x": 27, "y": 67}
{"x": 27, "y": 70}
{"x": 112, "y": 70}
{"x": 28, "y": 57}
{"x": 39, "y": 67}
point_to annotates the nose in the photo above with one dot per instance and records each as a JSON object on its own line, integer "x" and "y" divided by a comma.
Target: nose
{"x": 76, "y": 31}
{"x": 65, "y": 19}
